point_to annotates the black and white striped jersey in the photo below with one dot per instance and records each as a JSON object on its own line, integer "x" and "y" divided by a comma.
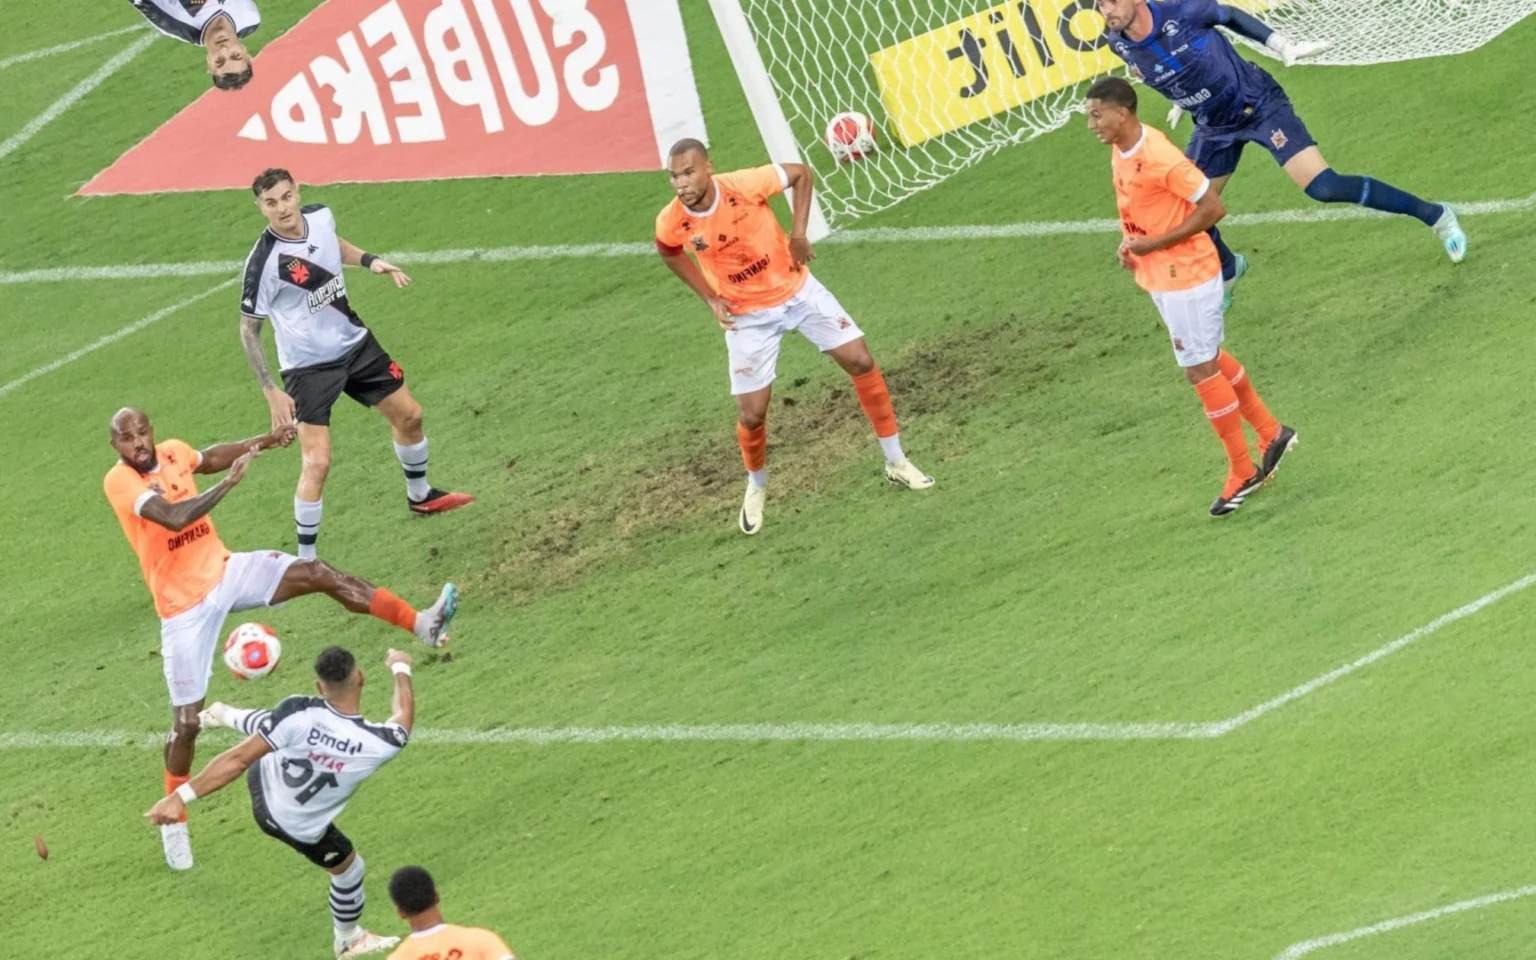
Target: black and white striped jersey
{"x": 185, "y": 20}
{"x": 319, "y": 758}
{"x": 299, "y": 286}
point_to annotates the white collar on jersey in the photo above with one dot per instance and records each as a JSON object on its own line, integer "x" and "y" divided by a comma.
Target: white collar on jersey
{"x": 429, "y": 931}
{"x": 1128, "y": 154}
{"x": 347, "y": 716}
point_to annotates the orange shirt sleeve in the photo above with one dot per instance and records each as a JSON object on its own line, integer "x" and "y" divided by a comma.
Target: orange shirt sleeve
{"x": 124, "y": 487}
{"x": 669, "y": 239}
{"x": 757, "y": 183}
{"x": 1184, "y": 180}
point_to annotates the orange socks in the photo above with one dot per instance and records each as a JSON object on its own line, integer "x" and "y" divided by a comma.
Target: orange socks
{"x": 754, "y": 446}
{"x": 172, "y": 781}
{"x": 391, "y": 609}
{"x": 1248, "y": 401}
{"x": 876, "y": 401}
{"x": 1221, "y": 408}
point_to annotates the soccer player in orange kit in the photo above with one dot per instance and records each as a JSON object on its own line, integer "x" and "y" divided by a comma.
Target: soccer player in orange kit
{"x": 1166, "y": 206}
{"x": 755, "y": 280}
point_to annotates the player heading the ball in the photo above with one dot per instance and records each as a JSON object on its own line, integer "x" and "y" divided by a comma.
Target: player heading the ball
{"x": 1173, "y": 46}
{"x": 306, "y": 757}
{"x": 218, "y": 26}
{"x": 756, "y": 282}
{"x": 197, "y": 582}
{"x": 1166, "y": 206}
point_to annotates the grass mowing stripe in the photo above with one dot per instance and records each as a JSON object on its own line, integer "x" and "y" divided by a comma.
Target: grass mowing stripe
{"x": 74, "y": 96}
{"x": 65, "y": 47}
{"x": 576, "y": 251}
{"x": 1305, "y": 947}
{"x": 112, "y": 338}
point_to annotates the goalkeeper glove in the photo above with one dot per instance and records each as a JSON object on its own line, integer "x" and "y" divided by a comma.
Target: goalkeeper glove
{"x": 1174, "y": 116}
{"x": 1290, "y": 51}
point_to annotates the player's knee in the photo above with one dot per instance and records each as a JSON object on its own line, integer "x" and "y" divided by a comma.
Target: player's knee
{"x": 186, "y": 726}
{"x": 752, "y": 419}
{"x": 1330, "y": 187}
{"x": 317, "y": 463}
{"x": 859, "y": 364}
{"x": 410, "y": 419}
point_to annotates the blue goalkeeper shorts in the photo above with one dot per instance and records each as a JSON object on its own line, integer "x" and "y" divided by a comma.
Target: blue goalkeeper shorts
{"x": 1272, "y": 124}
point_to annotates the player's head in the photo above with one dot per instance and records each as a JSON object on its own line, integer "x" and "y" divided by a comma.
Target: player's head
{"x": 229, "y": 63}
{"x": 1118, "y": 14}
{"x": 1111, "y": 107}
{"x": 336, "y": 672}
{"x": 689, "y": 166}
{"x": 133, "y": 437}
{"x": 413, "y": 891}
{"x": 277, "y": 197}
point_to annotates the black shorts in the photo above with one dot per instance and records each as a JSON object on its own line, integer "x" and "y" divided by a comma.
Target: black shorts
{"x": 331, "y": 850}
{"x": 367, "y": 375}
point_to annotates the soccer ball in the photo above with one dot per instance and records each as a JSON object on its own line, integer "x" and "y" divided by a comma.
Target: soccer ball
{"x": 850, "y": 136}
{"x": 252, "y": 651}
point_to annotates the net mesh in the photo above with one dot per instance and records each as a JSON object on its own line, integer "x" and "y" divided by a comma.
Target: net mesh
{"x": 946, "y": 82}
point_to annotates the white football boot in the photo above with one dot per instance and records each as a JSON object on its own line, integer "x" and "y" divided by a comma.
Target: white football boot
{"x": 432, "y": 623}
{"x": 363, "y": 944}
{"x": 1452, "y": 237}
{"x": 902, "y": 472}
{"x": 178, "y": 845}
{"x": 216, "y": 715}
{"x": 751, "y": 517}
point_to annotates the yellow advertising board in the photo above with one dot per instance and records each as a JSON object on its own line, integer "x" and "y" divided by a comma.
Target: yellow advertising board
{"x": 987, "y": 63}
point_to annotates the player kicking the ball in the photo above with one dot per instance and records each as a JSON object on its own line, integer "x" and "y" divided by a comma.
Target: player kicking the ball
{"x": 306, "y": 758}
{"x": 1174, "y": 47}
{"x": 1166, "y": 206}
{"x": 293, "y": 275}
{"x": 755, "y": 280}
{"x": 197, "y": 582}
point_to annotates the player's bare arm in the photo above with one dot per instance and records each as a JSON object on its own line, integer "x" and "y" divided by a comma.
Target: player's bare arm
{"x": 683, "y": 267}
{"x": 222, "y": 456}
{"x": 403, "y": 705}
{"x": 355, "y": 256}
{"x": 182, "y": 514}
{"x": 284, "y": 412}
{"x": 802, "y": 181}
{"x": 1208, "y": 211}
{"x": 221, "y": 771}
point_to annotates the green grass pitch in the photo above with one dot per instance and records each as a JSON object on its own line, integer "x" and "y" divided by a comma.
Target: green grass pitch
{"x": 1062, "y": 571}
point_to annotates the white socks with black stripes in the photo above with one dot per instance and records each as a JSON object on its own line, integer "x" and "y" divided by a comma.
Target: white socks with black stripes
{"x": 413, "y": 460}
{"x": 347, "y": 900}
{"x": 306, "y": 523}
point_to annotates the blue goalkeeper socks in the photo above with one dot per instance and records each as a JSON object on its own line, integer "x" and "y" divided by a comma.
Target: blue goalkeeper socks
{"x": 1228, "y": 261}
{"x": 1331, "y": 187}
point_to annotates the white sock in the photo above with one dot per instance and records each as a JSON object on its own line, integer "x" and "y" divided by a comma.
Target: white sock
{"x": 892, "y": 447}
{"x": 306, "y": 522}
{"x": 413, "y": 460}
{"x": 758, "y": 478}
{"x": 347, "y": 900}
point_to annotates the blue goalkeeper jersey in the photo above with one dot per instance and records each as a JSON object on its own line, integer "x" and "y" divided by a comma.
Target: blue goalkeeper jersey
{"x": 1189, "y": 61}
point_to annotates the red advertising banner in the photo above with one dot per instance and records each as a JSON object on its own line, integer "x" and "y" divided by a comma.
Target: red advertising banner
{"x": 364, "y": 91}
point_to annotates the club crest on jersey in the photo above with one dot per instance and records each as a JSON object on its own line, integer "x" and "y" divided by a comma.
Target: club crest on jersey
{"x": 1171, "y": 28}
{"x": 699, "y": 243}
{"x": 296, "y": 271}
{"x": 192, "y": 6}
{"x": 324, "y": 287}
{"x": 1279, "y": 139}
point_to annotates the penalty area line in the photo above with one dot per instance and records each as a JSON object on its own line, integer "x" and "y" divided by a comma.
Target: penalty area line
{"x": 1298, "y": 950}
{"x": 581, "y": 251}
{"x": 31, "y": 55}
{"x": 74, "y": 96}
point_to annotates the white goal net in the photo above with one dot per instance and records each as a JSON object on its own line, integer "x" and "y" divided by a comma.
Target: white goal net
{"x": 946, "y": 82}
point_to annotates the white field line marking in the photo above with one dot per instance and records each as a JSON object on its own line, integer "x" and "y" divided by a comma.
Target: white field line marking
{"x": 1305, "y": 947}
{"x": 74, "y": 96}
{"x": 65, "y": 47}
{"x": 842, "y": 733}
{"x": 110, "y": 338}
{"x": 1315, "y": 214}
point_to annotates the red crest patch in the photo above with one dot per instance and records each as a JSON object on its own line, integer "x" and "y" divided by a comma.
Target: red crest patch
{"x": 1279, "y": 139}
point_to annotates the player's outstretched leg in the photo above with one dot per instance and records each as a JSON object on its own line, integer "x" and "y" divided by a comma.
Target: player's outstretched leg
{"x": 315, "y": 455}
{"x": 346, "y": 901}
{"x": 359, "y": 596}
{"x": 1323, "y": 184}
{"x": 875, "y": 398}
{"x": 404, "y": 416}
{"x": 1275, "y": 438}
{"x": 752, "y": 438}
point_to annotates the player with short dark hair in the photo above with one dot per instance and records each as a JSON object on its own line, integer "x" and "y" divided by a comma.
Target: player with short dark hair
{"x": 218, "y": 26}
{"x": 196, "y": 582}
{"x": 1166, "y": 206}
{"x": 294, "y": 276}
{"x": 756, "y": 282}
{"x": 306, "y": 757}
{"x": 415, "y": 897}
{"x": 1173, "y": 46}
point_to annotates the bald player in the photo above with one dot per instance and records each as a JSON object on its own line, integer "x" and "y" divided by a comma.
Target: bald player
{"x": 431, "y": 938}
{"x": 755, "y": 281}
{"x": 196, "y": 582}
{"x": 1166, "y": 206}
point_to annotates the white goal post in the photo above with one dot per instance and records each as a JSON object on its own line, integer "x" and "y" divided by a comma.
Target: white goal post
{"x": 948, "y": 82}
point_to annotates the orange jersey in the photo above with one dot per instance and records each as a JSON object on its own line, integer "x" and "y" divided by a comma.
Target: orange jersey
{"x": 1156, "y": 187}
{"x": 448, "y": 942}
{"x": 741, "y": 249}
{"x": 180, "y": 568}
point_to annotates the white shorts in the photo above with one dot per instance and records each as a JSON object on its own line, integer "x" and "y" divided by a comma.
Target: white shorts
{"x": 754, "y": 344}
{"x": 189, "y": 639}
{"x": 1194, "y": 321}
